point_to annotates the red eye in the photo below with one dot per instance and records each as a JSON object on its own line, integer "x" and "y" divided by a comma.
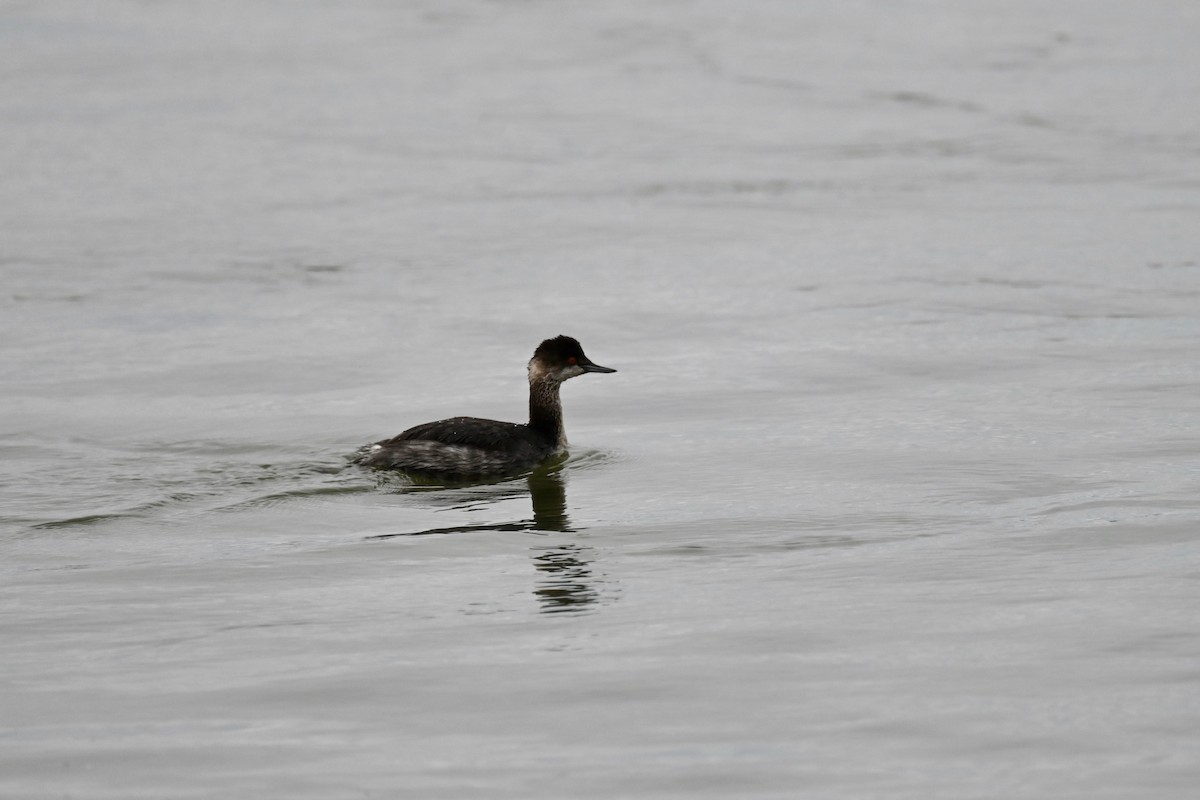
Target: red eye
{"x": 572, "y": 361}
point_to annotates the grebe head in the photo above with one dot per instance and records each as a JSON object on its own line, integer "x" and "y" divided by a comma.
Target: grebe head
{"x": 560, "y": 359}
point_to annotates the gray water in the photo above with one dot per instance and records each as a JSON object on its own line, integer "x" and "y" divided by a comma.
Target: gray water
{"x": 894, "y": 494}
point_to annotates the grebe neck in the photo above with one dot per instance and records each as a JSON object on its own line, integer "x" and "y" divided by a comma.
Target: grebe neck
{"x": 545, "y": 410}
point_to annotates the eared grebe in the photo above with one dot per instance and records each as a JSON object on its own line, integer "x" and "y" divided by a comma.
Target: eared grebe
{"x": 463, "y": 447}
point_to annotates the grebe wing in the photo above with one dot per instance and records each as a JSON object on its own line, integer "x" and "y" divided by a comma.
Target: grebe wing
{"x": 486, "y": 434}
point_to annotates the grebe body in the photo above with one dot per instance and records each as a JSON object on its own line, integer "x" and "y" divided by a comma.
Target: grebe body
{"x": 467, "y": 447}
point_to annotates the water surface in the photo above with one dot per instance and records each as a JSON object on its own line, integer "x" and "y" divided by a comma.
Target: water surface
{"x": 894, "y": 494}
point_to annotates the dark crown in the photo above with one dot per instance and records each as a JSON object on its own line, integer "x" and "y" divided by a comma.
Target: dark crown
{"x": 558, "y": 349}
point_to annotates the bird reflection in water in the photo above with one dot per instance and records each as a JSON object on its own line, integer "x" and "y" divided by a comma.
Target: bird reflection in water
{"x": 567, "y": 583}
{"x": 566, "y": 579}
